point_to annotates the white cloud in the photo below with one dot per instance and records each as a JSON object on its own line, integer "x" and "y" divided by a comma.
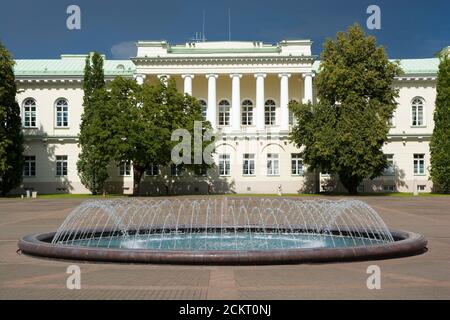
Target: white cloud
{"x": 124, "y": 50}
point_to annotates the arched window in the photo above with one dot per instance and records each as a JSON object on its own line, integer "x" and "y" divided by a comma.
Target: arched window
{"x": 270, "y": 112}
{"x": 62, "y": 113}
{"x": 247, "y": 113}
{"x": 29, "y": 113}
{"x": 224, "y": 113}
{"x": 204, "y": 106}
{"x": 417, "y": 109}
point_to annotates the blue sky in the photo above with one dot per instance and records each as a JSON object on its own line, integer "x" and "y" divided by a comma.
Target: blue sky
{"x": 37, "y": 28}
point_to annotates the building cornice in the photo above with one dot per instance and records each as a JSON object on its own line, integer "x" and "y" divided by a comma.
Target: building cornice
{"x": 75, "y": 79}
{"x": 53, "y": 138}
{"x": 222, "y": 60}
{"x": 417, "y": 77}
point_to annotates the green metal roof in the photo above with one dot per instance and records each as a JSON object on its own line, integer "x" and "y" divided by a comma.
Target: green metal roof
{"x": 409, "y": 66}
{"x": 70, "y": 65}
{"x": 73, "y": 65}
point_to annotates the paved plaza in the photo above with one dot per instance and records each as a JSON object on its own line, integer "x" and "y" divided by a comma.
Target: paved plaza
{"x": 426, "y": 276}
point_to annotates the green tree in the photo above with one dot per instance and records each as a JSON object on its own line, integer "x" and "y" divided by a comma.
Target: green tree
{"x": 11, "y": 136}
{"x": 345, "y": 131}
{"x": 146, "y": 117}
{"x": 440, "y": 141}
{"x": 94, "y": 157}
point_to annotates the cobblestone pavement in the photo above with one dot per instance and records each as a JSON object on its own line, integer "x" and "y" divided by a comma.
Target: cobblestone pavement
{"x": 426, "y": 276}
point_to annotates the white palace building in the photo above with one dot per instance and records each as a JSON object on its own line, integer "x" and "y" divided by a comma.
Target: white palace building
{"x": 245, "y": 88}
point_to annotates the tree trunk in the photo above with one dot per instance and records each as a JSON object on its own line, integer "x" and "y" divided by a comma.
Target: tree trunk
{"x": 353, "y": 189}
{"x": 138, "y": 172}
{"x": 350, "y": 183}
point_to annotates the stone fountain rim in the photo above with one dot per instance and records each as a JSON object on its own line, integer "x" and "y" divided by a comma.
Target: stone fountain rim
{"x": 406, "y": 244}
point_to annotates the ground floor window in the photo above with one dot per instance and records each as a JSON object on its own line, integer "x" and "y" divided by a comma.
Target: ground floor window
{"x": 273, "y": 164}
{"x": 419, "y": 164}
{"x": 153, "y": 171}
{"x": 61, "y": 166}
{"x": 249, "y": 164}
{"x": 389, "y": 188}
{"x": 224, "y": 165}
{"x": 389, "y": 171}
{"x": 125, "y": 169}
{"x": 201, "y": 170}
{"x": 29, "y": 169}
{"x": 296, "y": 164}
{"x": 175, "y": 170}
{"x": 421, "y": 187}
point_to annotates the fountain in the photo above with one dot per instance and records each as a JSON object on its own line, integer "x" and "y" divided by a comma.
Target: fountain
{"x": 223, "y": 231}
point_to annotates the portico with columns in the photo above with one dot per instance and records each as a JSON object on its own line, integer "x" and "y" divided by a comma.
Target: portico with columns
{"x": 234, "y": 72}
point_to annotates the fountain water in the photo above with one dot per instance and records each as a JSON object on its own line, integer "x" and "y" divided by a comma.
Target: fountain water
{"x": 221, "y": 230}
{"x": 222, "y": 224}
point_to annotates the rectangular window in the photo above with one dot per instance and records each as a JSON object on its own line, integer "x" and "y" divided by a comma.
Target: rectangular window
{"x": 389, "y": 188}
{"x": 270, "y": 115}
{"x": 417, "y": 115}
{"x": 175, "y": 171}
{"x": 291, "y": 118}
{"x": 247, "y": 115}
{"x": 249, "y": 165}
{"x": 419, "y": 164}
{"x": 29, "y": 169}
{"x": 30, "y": 116}
{"x": 273, "y": 164}
{"x": 296, "y": 165}
{"x": 153, "y": 171}
{"x": 125, "y": 169}
{"x": 390, "y": 170}
{"x": 224, "y": 113}
{"x": 61, "y": 166}
{"x": 421, "y": 187}
{"x": 224, "y": 165}
{"x": 62, "y": 116}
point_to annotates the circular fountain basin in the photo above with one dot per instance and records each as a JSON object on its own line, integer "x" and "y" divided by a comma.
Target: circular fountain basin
{"x": 223, "y": 232}
{"x": 219, "y": 251}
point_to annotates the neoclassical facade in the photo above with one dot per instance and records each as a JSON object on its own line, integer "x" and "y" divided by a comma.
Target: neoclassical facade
{"x": 245, "y": 89}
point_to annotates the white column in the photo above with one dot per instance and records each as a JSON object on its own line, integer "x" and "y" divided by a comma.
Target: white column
{"x": 187, "y": 83}
{"x": 140, "y": 78}
{"x": 284, "y": 100}
{"x": 260, "y": 120}
{"x": 212, "y": 100}
{"x": 308, "y": 82}
{"x": 236, "y": 102}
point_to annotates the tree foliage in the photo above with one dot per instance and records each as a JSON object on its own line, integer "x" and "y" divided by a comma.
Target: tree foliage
{"x": 344, "y": 132}
{"x": 11, "y": 137}
{"x": 440, "y": 141}
{"x": 94, "y": 157}
{"x": 145, "y": 118}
